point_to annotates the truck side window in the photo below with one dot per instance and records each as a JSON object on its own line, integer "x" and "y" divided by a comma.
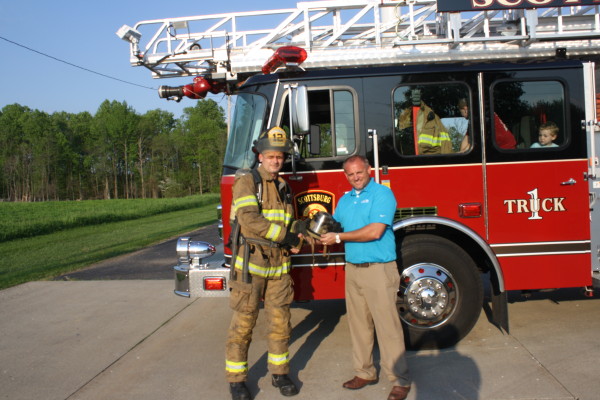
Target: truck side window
{"x": 343, "y": 108}
{"x": 431, "y": 119}
{"x": 332, "y": 117}
{"x": 529, "y": 115}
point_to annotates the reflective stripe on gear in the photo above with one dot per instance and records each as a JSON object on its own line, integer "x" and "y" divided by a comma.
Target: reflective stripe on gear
{"x": 434, "y": 140}
{"x": 277, "y": 215}
{"x": 264, "y": 272}
{"x": 244, "y": 202}
{"x": 278, "y": 359}
{"x": 236, "y": 367}
{"x": 273, "y": 232}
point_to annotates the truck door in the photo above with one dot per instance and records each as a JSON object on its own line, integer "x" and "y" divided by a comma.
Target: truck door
{"x": 535, "y": 172}
{"x": 426, "y": 147}
{"x": 430, "y": 156}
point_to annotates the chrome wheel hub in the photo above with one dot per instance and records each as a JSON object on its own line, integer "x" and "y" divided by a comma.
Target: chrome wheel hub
{"x": 427, "y": 295}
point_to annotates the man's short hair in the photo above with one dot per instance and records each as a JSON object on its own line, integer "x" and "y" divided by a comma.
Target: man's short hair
{"x": 356, "y": 157}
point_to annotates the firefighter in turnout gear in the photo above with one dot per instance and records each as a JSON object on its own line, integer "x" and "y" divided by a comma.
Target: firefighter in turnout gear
{"x": 433, "y": 137}
{"x": 261, "y": 243}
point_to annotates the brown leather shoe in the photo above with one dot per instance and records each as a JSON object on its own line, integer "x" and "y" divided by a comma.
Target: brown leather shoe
{"x": 358, "y": 383}
{"x": 399, "y": 393}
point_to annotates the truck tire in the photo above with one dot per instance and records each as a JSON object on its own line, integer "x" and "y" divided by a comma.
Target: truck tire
{"x": 441, "y": 291}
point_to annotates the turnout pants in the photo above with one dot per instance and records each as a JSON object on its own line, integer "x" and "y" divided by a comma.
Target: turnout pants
{"x": 245, "y": 301}
{"x": 371, "y": 305}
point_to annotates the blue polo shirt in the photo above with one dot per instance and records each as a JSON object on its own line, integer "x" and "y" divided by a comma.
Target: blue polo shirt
{"x": 375, "y": 203}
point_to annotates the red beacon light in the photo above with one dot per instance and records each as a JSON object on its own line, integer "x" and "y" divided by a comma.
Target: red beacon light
{"x": 288, "y": 56}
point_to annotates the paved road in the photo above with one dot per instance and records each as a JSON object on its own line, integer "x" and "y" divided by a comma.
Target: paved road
{"x": 154, "y": 263}
{"x": 127, "y": 339}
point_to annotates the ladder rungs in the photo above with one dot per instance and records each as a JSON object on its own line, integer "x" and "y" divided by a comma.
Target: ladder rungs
{"x": 332, "y": 31}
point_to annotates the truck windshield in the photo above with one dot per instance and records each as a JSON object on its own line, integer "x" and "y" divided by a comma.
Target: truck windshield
{"x": 248, "y": 120}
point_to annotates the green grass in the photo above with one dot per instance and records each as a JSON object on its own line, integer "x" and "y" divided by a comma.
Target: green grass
{"x": 19, "y": 220}
{"x": 49, "y": 255}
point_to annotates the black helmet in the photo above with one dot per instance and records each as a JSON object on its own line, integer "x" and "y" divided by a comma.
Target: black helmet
{"x": 320, "y": 223}
{"x": 275, "y": 139}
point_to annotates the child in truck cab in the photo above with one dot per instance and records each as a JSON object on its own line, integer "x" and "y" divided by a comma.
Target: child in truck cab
{"x": 548, "y": 133}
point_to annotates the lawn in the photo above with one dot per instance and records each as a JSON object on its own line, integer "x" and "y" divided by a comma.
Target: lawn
{"x": 71, "y": 246}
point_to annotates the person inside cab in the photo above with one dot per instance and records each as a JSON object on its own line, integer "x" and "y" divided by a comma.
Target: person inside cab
{"x": 548, "y": 133}
{"x": 463, "y": 108}
{"x": 504, "y": 137}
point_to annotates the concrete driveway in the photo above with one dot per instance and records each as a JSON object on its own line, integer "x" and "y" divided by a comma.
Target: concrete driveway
{"x": 122, "y": 338}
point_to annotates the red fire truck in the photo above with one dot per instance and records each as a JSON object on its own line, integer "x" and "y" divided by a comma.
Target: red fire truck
{"x": 447, "y": 101}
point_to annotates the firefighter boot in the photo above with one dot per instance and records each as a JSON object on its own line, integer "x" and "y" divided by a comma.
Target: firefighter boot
{"x": 239, "y": 391}
{"x": 285, "y": 385}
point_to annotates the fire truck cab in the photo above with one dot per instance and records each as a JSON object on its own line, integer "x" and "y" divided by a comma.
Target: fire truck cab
{"x": 483, "y": 207}
{"x": 498, "y": 206}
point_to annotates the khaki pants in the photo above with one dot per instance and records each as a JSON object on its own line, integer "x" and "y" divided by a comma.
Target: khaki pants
{"x": 371, "y": 293}
{"x": 245, "y": 300}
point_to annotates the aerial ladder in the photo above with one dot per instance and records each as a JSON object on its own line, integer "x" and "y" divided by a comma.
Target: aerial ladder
{"x": 222, "y": 50}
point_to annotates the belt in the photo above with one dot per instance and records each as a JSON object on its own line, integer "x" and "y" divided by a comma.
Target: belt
{"x": 367, "y": 264}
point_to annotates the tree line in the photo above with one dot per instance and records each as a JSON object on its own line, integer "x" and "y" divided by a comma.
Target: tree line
{"x": 115, "y": 153}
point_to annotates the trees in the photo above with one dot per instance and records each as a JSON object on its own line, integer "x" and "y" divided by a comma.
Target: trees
{"x": 112, "y": 130}
{"x": 203, "y": 136}
{"x": 115, "y": 153}
{"x": 71, "y": 133}
{"x": 27, "y": 160}
{"x": 11, "y": 133}
{"x": 150, "y": 125}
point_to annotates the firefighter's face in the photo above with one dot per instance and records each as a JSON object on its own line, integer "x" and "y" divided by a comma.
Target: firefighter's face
{"x": 358, "y": 174}
{"x": 272, "y": 161}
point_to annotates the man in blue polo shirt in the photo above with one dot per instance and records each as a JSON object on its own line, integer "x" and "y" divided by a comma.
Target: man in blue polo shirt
{"x": 366, "y": 214}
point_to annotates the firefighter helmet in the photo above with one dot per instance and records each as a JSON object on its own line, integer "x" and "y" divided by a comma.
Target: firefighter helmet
{"x": 322, "y": 222}
{"x": 275, "y": 139}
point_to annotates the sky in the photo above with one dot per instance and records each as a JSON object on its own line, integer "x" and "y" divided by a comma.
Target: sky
{"x": 83, "y": 33}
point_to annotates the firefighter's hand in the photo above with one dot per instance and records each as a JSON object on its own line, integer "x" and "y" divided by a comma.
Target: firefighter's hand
{"x": 328, "y": 239}
{"x": 291, "y": 239}
{"x": 296, "y": 249}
